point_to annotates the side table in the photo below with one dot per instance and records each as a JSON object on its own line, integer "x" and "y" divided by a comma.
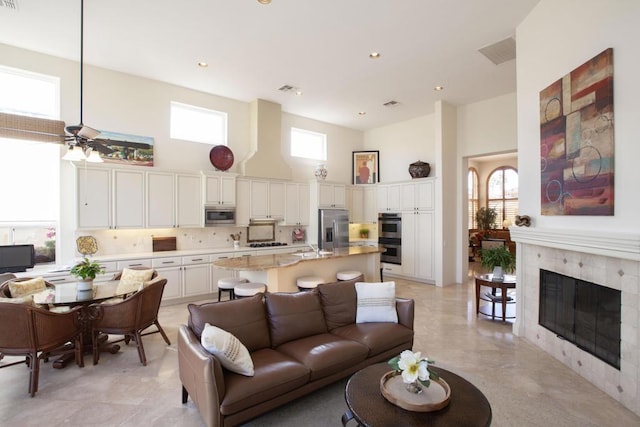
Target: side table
{"x": 509, "y": 282}
{"x": 467, "y": 406}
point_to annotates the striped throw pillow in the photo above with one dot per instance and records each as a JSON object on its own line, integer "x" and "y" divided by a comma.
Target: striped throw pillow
{"x": 376, "y": 302}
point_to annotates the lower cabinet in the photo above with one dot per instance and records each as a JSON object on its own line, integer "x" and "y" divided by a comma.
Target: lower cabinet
{"x": 418, "y": 244}
{"x": 186, "y": 276}
{"x": 173, "y": 288}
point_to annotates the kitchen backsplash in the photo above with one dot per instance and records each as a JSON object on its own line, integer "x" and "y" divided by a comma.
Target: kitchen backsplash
{"x": 111, "y": 242}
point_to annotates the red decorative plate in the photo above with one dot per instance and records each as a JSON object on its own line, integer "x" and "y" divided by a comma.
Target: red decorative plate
{"x": 221, "y": 157}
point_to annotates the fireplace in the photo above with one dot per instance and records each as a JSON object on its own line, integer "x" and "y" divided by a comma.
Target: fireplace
{"x": 583, "y": 313}
{"x": 611, "y": 263}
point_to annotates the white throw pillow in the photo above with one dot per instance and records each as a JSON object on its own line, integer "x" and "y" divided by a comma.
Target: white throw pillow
{"x": 133, "y": 280}
{"x": 232, "y": 354}
{"x": 26, "y": 287}
{"x": 376, "y": 302}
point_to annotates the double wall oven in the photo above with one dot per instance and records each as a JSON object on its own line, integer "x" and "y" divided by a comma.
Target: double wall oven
{"x": 389, "y": 237}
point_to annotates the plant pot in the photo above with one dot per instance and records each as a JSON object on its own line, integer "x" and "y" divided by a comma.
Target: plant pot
{"x": 84, "y": 285}
{"x": 498, "y": 275}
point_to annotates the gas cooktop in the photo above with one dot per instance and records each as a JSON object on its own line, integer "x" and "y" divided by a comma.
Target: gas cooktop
{"x": 266, "y": 244}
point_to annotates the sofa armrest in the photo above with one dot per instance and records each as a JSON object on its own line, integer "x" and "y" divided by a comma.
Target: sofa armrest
{"x": 405, "y": 309}
{"x": 201, "y": 376}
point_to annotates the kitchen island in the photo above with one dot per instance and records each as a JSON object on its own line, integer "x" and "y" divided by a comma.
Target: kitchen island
{"x": 280, "y": 271}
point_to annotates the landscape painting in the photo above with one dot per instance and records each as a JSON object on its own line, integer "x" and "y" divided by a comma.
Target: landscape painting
{"x": 576, "y": 141}
{"x": 125, "y": 149}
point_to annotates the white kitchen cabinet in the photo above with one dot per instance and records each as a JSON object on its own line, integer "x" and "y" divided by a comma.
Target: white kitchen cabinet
{"x": 161, "y": 200}
{"x": 389, "y": 198}
{"x": 418, "y": 244}
{"x": 129, "y": 263}
{"x": 189, "y": 212}
{"x": 196, "y": 273}
{"x": 330, "y": 195}
{"x": 219, "y": 189}
{"x": 128, "y": 199}
{"x": 370, "y": 205}
{"x": 267, "y": 199}
{"x": 173, "y": 288}
{"x": 355, "y": 197}
{"x": 243, "y": 202}
{"x": 297, "y": 204}
{"x": 93, "y": 197}
{"x": 418, "y": 195}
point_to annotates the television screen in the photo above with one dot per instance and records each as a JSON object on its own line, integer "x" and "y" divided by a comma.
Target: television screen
{"x": 16, "y": 258}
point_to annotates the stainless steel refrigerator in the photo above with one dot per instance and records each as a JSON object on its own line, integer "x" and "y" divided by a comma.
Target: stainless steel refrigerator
{"x": 333, "y": 229}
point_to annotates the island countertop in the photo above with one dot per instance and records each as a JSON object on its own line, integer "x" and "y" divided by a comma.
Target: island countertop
{"x": 280, "y": 271}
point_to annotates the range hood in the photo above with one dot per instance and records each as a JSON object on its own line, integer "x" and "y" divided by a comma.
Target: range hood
{"x": 265, "y": 155}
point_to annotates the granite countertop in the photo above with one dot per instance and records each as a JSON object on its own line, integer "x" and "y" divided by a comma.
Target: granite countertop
{"x": 267, "y": 262}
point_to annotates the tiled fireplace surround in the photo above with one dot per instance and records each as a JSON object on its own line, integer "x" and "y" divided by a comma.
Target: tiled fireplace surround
{"x": 607, "y": 259}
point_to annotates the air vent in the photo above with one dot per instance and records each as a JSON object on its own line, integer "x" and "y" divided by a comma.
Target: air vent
{"x": 286, "y": 88}
{"x": 9, "y": 4}
{"x": 391, "y": 103}
{"x": 501, "y": 51}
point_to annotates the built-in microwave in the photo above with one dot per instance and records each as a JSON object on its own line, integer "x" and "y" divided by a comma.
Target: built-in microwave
{"x": 219, "y": 215}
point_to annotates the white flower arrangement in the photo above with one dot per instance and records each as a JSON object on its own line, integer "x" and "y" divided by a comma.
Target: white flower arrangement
{"x": 414, "y": 368}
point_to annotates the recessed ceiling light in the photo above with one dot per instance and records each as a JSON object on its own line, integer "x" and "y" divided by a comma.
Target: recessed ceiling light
{"x": 203, "y": 64}
{"x": 438, "y": 88}
{"x": 298, "y": 92}
{"x": 362, "y": 113}
{"x": 264, "y": 1}
{"x": 374, "y": 55}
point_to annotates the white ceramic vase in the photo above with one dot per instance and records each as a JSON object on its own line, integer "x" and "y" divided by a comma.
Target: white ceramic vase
{"x": 321, "y": 172}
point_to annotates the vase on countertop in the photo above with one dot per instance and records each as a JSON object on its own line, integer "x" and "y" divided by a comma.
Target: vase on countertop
{"x": 321, "y": 172}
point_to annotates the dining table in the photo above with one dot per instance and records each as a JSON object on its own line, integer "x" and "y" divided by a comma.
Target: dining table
{"x": 68, "y": 295}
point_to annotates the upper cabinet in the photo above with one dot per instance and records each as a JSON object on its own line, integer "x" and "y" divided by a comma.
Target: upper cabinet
{"x": 297, "y": 204}
{"x": 128, "y": 198}
{"x": 189, "y": 208}
{"x": 328, "y": 195}
{"x": 418, "y": 195}
{"x": 161, "y": 200}
{"x": 267, "y": 199}
{"x": 93, "y": 197}
{"x": 355, "y": 204}
{"x": 243, "y": 201}
{"x": 219, "y": 189}
{"x": 389, "y": 198}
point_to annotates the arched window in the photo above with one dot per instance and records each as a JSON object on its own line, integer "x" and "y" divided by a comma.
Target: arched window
{"x": 502, "y": 194}
{"x": 474, "y": 201}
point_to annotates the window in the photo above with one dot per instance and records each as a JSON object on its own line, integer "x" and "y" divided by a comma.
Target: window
{"x": 474, "y": 202}
{"x": 502, "y": 193}
{"x": 198, "y": 124}
{"x": 29, "y": 94}
{"x": 308, "y": 144}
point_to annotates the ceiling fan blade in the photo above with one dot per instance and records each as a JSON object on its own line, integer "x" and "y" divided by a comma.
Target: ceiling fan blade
{"x": 120, "y": 143}
{"x": 101, "y": 148}
{"x": 87, "y": 132}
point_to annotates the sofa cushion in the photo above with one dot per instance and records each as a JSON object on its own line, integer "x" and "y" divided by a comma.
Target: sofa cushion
{"x": 294, "y": 315}
{"x": 378, "y": 337}
{"x": 274, "y": 374}
{"x": 245, "y": 318}
{"x": 228, "y": 349}
{"x": 376, "y": 302}
{"x": 325, "y": 354}
{"x": 338, "y": 303}
{"x": 21, "y": 288}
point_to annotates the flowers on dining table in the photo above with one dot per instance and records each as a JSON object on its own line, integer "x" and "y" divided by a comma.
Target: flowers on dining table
{"x": 414, "y": 368}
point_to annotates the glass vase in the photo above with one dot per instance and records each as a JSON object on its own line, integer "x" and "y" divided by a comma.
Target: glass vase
{"x": 414, "y": 387}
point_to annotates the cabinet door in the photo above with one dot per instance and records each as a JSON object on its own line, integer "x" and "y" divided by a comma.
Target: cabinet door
{"x": 128, "y": 199}
{"x": 173, "y": 288}
{"x": 409, "y": 197}
{"x": 259, "y": 199}
{"x": 161, "y": 200}
{"x": 393, "y": 198}
{"x": 190, "y": 206}
{"x": 292, "y": 210}
{"x": 370, "y": 205}
{"x": 277, "y": 202}
{"x": 409, "y": 239}
{"x": 196, "y": 279}
{"x": 425, "y": 245}
{"x": 243, "y": 202}
{"x": 325, "y": 195}
{"x": 303, "y": 202}
{"x": 93, "y": 198}
{"x": 228, "y": 190}
{"x": 383, "y": 192}
{"x": 339, "y": 196}
{"x": 212, "y": 190}
{"x": 424, "y": 195}
{"x": 356, "y": 209}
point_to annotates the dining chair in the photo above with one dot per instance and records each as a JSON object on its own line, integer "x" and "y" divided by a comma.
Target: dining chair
{"x": 5, "y": 291}
{"x": 37, "y": 334}
{"x": 130, "y": 318}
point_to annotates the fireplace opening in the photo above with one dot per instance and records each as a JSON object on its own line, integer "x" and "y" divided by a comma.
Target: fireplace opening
{"x": 584, "y": 313}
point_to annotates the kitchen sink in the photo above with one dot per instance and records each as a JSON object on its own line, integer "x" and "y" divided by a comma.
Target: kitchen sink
{"x": 312, "y": 254}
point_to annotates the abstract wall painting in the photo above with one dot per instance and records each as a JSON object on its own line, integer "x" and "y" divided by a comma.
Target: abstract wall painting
{"x": 576, "y": 141}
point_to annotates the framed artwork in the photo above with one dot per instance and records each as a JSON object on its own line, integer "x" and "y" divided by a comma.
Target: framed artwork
{"x": 366, "y": 167}
{"x": 576, "y": 140}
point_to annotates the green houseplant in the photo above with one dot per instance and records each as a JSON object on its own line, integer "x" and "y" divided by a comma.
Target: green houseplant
{"x": 364, "y": 233}
{"x": 486, "y": 218}
{"x": 497, "y": 260}
{"x": 86, "y": 270}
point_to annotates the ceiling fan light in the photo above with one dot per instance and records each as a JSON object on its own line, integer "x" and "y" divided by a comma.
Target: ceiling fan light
{"x": 74, "y": 154}
{"x": 87, "y": 132}
{"x": 94, "y": 157}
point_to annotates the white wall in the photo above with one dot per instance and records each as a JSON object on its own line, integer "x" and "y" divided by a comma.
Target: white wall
{"x": 401, "y": 144}
{"x": 581, "y": 30}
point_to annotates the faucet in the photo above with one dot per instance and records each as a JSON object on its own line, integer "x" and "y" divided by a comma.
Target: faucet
{"x": 316, "y": 249}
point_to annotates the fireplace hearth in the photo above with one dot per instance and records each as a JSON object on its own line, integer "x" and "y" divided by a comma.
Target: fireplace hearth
{"x": 583, "y": 313}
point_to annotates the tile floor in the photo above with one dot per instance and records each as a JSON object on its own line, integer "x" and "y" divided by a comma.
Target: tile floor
{"x": 525, "y": 386}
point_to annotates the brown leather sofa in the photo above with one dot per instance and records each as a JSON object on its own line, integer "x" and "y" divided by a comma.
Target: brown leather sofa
{"x": 298, "y": 342}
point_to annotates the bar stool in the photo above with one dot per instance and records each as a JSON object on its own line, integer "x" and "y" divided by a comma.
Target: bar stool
{"x": 307, "y": 283}
{"x": 348, "y": 275}
{"x": 248, "y": 289}
{"x": 227, "y": 284}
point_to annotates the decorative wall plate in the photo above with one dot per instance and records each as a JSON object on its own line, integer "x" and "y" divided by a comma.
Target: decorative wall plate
{"x": 221, "y": 157}
{"x": 87, "y": 245}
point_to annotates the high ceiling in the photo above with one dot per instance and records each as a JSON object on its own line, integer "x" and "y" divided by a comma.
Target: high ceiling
{"x": 320, "y": 47}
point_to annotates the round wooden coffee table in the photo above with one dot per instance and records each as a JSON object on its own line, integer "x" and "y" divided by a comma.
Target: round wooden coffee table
{"x": 468, "y": 407}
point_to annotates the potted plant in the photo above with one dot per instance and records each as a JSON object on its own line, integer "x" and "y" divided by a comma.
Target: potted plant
{"x": 486, "y": 218}
{"x": 86, "y": 271}
{"x": 364, "y": 233}
{"x": 498, "y": 260}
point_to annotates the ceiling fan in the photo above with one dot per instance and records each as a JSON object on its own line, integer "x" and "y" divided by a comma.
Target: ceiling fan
{"x": 83, "y": 140}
